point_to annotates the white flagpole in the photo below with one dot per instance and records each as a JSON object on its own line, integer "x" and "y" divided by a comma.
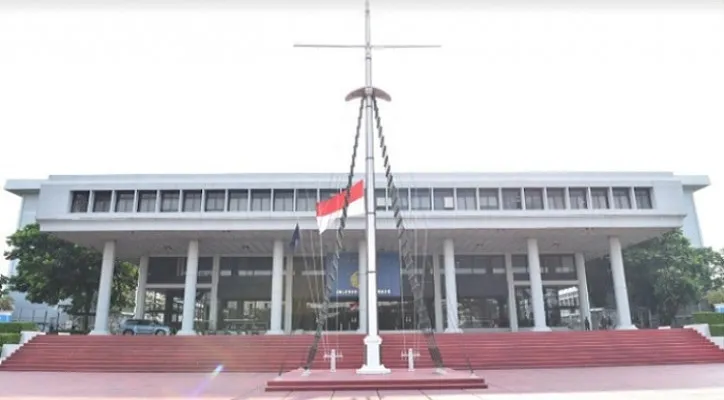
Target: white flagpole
{"x": 372, "y": 341}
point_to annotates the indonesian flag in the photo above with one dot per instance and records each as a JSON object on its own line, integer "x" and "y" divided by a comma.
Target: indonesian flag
{"x": 329, "y": 210}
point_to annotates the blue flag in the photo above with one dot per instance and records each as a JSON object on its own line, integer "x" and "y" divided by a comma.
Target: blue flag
{"x": 296, "y": 237}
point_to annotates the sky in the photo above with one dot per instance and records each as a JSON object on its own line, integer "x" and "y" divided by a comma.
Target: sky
{"x": 216, "y": 87}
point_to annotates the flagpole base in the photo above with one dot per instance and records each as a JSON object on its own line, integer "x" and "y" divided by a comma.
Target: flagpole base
{"x": 372, "y": 365}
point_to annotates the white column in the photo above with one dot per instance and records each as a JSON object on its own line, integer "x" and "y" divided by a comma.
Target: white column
{"x": 141, "y": 288}
{"x": 103, "y": 305}
{"x": 536, "y": 287}
{"x": 192, "y": 271}
{"x": 583, "y": 300}
{"x": 214, "y": 301}
{"x": 362, "y": 289}
{"x": 619, "y": 285}
{"x": 276, "y": 288}
{"x": 437, "y": 292}
{"x": 512, "y": 303}
{"x": 288, "y": 292}
{"x": 451, "y": 290}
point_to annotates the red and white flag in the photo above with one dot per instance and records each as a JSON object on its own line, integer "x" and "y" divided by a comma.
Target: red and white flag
{"x": 329, "y": 210}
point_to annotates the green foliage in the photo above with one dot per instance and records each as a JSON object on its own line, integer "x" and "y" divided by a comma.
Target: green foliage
{"x": 51, "y": 270}
{"x": 715, "y": 296}
{"x": 667, "y": 273}
{"x": 711, "y": 318}
{"x": 4, "y": 280}
{"x": 716, "y": 330}
{"x": 9, "y": 338}
{"x": 6, "y": 302}
{"x": 17, "y": 327}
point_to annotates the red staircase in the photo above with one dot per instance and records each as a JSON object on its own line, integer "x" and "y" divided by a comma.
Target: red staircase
{"x": 556, "y": 349}
{"x": 274, "y": 353}
{"x": 264, "y": 353}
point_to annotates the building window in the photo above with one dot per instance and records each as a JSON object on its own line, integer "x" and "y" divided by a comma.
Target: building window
{"x": 621, "y": 198}
{"x": 558, "y": 264}
{"x": 238, "y": 200}
{"x": 102, "y": 201}
{"x": 511, "y": 199}
{"x": 283, "y": 200}
{"x": 533, "y": 199}
{"x": 307, "y": 200}
{"x": 192, "y": 201}
{"x": 147, "y": 201}
{"x": 215, "y": 200}
{"x": 578, "y": 198}
{"x": 520, "y": 263}
{"x": 79, "y": 201}
{"x": 643, "y": 198}
{"x": 403, "y": 197}
{"x": 261, "y": 200}
{"x": 599, "y": 198}
{"x": 325, "y": 194}
{"x": 381, "y": 199}
{"x": 124, "y": 200}
{"x": 467, "y": 199}
{"x": 489, "y": 199}
{"x": 420, "y": 199}
{"x": 556, "y": 198}
{"x": 170, "y": 200}
{"x": 444, "y": 199}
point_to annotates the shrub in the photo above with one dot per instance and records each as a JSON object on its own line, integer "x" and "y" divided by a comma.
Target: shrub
{"x": 9, "y": 338}
{"x": 17, "y": 327}
{"x": 716, "y": 330}
{"x": 710, "y": 318}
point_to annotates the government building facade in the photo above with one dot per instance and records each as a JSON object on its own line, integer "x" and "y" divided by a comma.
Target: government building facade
{"x": 496, "y": 251}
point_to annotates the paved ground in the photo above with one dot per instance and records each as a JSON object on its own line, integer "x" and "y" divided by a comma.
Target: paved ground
{"x": 701, "y": 382}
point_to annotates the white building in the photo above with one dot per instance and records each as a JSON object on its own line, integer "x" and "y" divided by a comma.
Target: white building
{"x": 214, "y": 249}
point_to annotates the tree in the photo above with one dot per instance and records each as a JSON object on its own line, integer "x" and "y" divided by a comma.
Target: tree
{"x": 715, "y": 296}
{"x": 4, "y": 280}
{"x": 667, "y": 273}
{"x": 51, "y": 270}
{"x": 6, "y": 302}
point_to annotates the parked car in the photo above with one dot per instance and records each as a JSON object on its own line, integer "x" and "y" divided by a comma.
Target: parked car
{"x": 144, "y": 327}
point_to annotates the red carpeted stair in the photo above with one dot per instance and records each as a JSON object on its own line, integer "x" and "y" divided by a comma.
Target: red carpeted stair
{"x": 272, "y": 353}
{"x": 265, "y": 353}
{"x": 557, "y": 349}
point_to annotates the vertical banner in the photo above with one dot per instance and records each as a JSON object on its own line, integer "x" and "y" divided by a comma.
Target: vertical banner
{"x": 347, "y": 284}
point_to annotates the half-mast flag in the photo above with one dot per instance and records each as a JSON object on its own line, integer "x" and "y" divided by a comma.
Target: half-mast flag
{"x": 331, "y": 209}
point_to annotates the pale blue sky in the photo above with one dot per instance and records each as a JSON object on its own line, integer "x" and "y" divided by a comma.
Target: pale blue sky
{"x": 210, "y": 89}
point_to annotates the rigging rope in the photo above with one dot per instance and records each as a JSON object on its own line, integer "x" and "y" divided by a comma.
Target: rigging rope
{"x": 331, "y": 273}
{"x": 413, "y": 277}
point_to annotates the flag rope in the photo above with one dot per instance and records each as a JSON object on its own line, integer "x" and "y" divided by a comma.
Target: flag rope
{"x": 413, "y": 274}
{"x": 332, "y": 272}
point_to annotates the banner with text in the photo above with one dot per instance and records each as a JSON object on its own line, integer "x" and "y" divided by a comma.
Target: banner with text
{"x": 388, "y": 275}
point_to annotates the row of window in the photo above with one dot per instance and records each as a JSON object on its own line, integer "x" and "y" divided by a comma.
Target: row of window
{"x": 464, "y": 265}
{"x": 242, "y": 200}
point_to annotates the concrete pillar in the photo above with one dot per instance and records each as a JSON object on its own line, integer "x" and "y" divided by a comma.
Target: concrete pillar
{"x": 214, "y": 302}
{"x": 288, "y": 294}
{"x": 536, "y": 287}
{"x": 437, "y": 292}
{"x": 512, "y": 302}
{"x": 362, "y": 289}
{"x": 276, "y": 288}
{"x": 140, "y": 309}
{"x": 583, "y": 300}
{"x": 619, "y": 284}
{"x": 451, "y": 291}
{"x": 103, "y": 305}
{"x": 192, "y": 271}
